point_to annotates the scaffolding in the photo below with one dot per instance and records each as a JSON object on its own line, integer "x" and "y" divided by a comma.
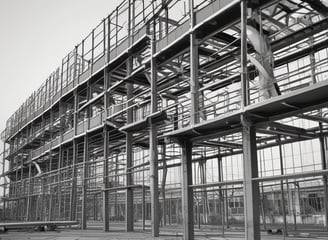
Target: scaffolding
{"x": 180, "y": 112}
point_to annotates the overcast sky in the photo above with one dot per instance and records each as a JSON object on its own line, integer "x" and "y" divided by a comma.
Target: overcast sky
{"x": 34, "y": 37}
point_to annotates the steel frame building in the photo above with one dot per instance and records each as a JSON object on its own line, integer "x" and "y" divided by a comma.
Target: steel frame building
{"x": 180, "y": 112}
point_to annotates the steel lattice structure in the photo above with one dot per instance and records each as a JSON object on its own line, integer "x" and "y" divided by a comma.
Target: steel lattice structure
{"x": 180, "y": 112}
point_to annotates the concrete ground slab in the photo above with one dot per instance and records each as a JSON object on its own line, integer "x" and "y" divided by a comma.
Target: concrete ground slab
{"x": 73, "y": 234}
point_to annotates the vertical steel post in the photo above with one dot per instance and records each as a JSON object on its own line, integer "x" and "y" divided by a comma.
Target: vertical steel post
{"x": 28, "y": 207}
{"x": 116, "y": 27}
{"x": 187, "y": 192}
{"x": 282, "y": 192}
{"x": 153, "y": 143}
{"x": 324, "y": 177}
{"x": 129, "y": 216}
{"x": 21, "y": 187}
{"x": 105, "y": 163}
{"x": 4, "y": 181}
{"x": 61, "y": 112}
{"x": 92, "y": 49}
{"x": 61, "y": 78}
{"x": 220, "y": 177}
{"x": 104, "y": 38}
{"x": 105, "y": 182}
{"x": 73, "y": 190}
{"x": 164, "y": 205}
{"x": 166, "y": 18}
{"x": 50, "y": 212}
{"x": 50, "y": 192}
{"x": 75, "y": 73}
{"x": 133, "y": 21}
{"x": 42, "y": 199}
{"x": 262, "y": 194}
{"x": 16, "y": 188}
{"x": 129, "y": 181}
{"x": 84, "y": 183}
{"x": 82, "y": 56}
{"x": 143, "y": 204}
{"x": 129, "y": 156}
{"x": 59, "y": 180}
{"x": 129, "y": 212}
{"x": 194, "y": 84}
{"x": 67, "y": 67}
{"x": 244, "y": 80}
{"x": 108, "y": 39}
{"x": 312, "y": 61}
{"x": 88, "y": 108}
{"x": 251, "y": 188}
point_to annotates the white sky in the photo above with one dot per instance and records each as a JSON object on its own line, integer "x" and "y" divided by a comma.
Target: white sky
{"x": 34, "y": 37}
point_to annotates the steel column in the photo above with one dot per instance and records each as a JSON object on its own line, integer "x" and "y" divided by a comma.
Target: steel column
{"x": 84, "y": 183}
{"x": 143, "y": 204}
{"x": 4, "y": 182}
{"x": 129, "y": 181}
{"x": 163, "y": 184}
{"x": 105, "y": 182}
{"x": 28, "y": 207}
{"x": 129, "y": 156}
{"x": 129, "y": 213}
{"x": 105, "y": 167}
{"x": 221, "y": 193}
{"x": 251, "y": 188}
{"x": 153, "y": 145}
{"x": 73, "y": 190}
{"x": 244, "y": 79}
{"x": 324, "y": 177}
{"x": 194, "y": 84}
{"x": 60, "y": 156}
{"x": 282, "y": 188}
{"x": 50, "y": 194}
{"x": 187, "y": 192}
